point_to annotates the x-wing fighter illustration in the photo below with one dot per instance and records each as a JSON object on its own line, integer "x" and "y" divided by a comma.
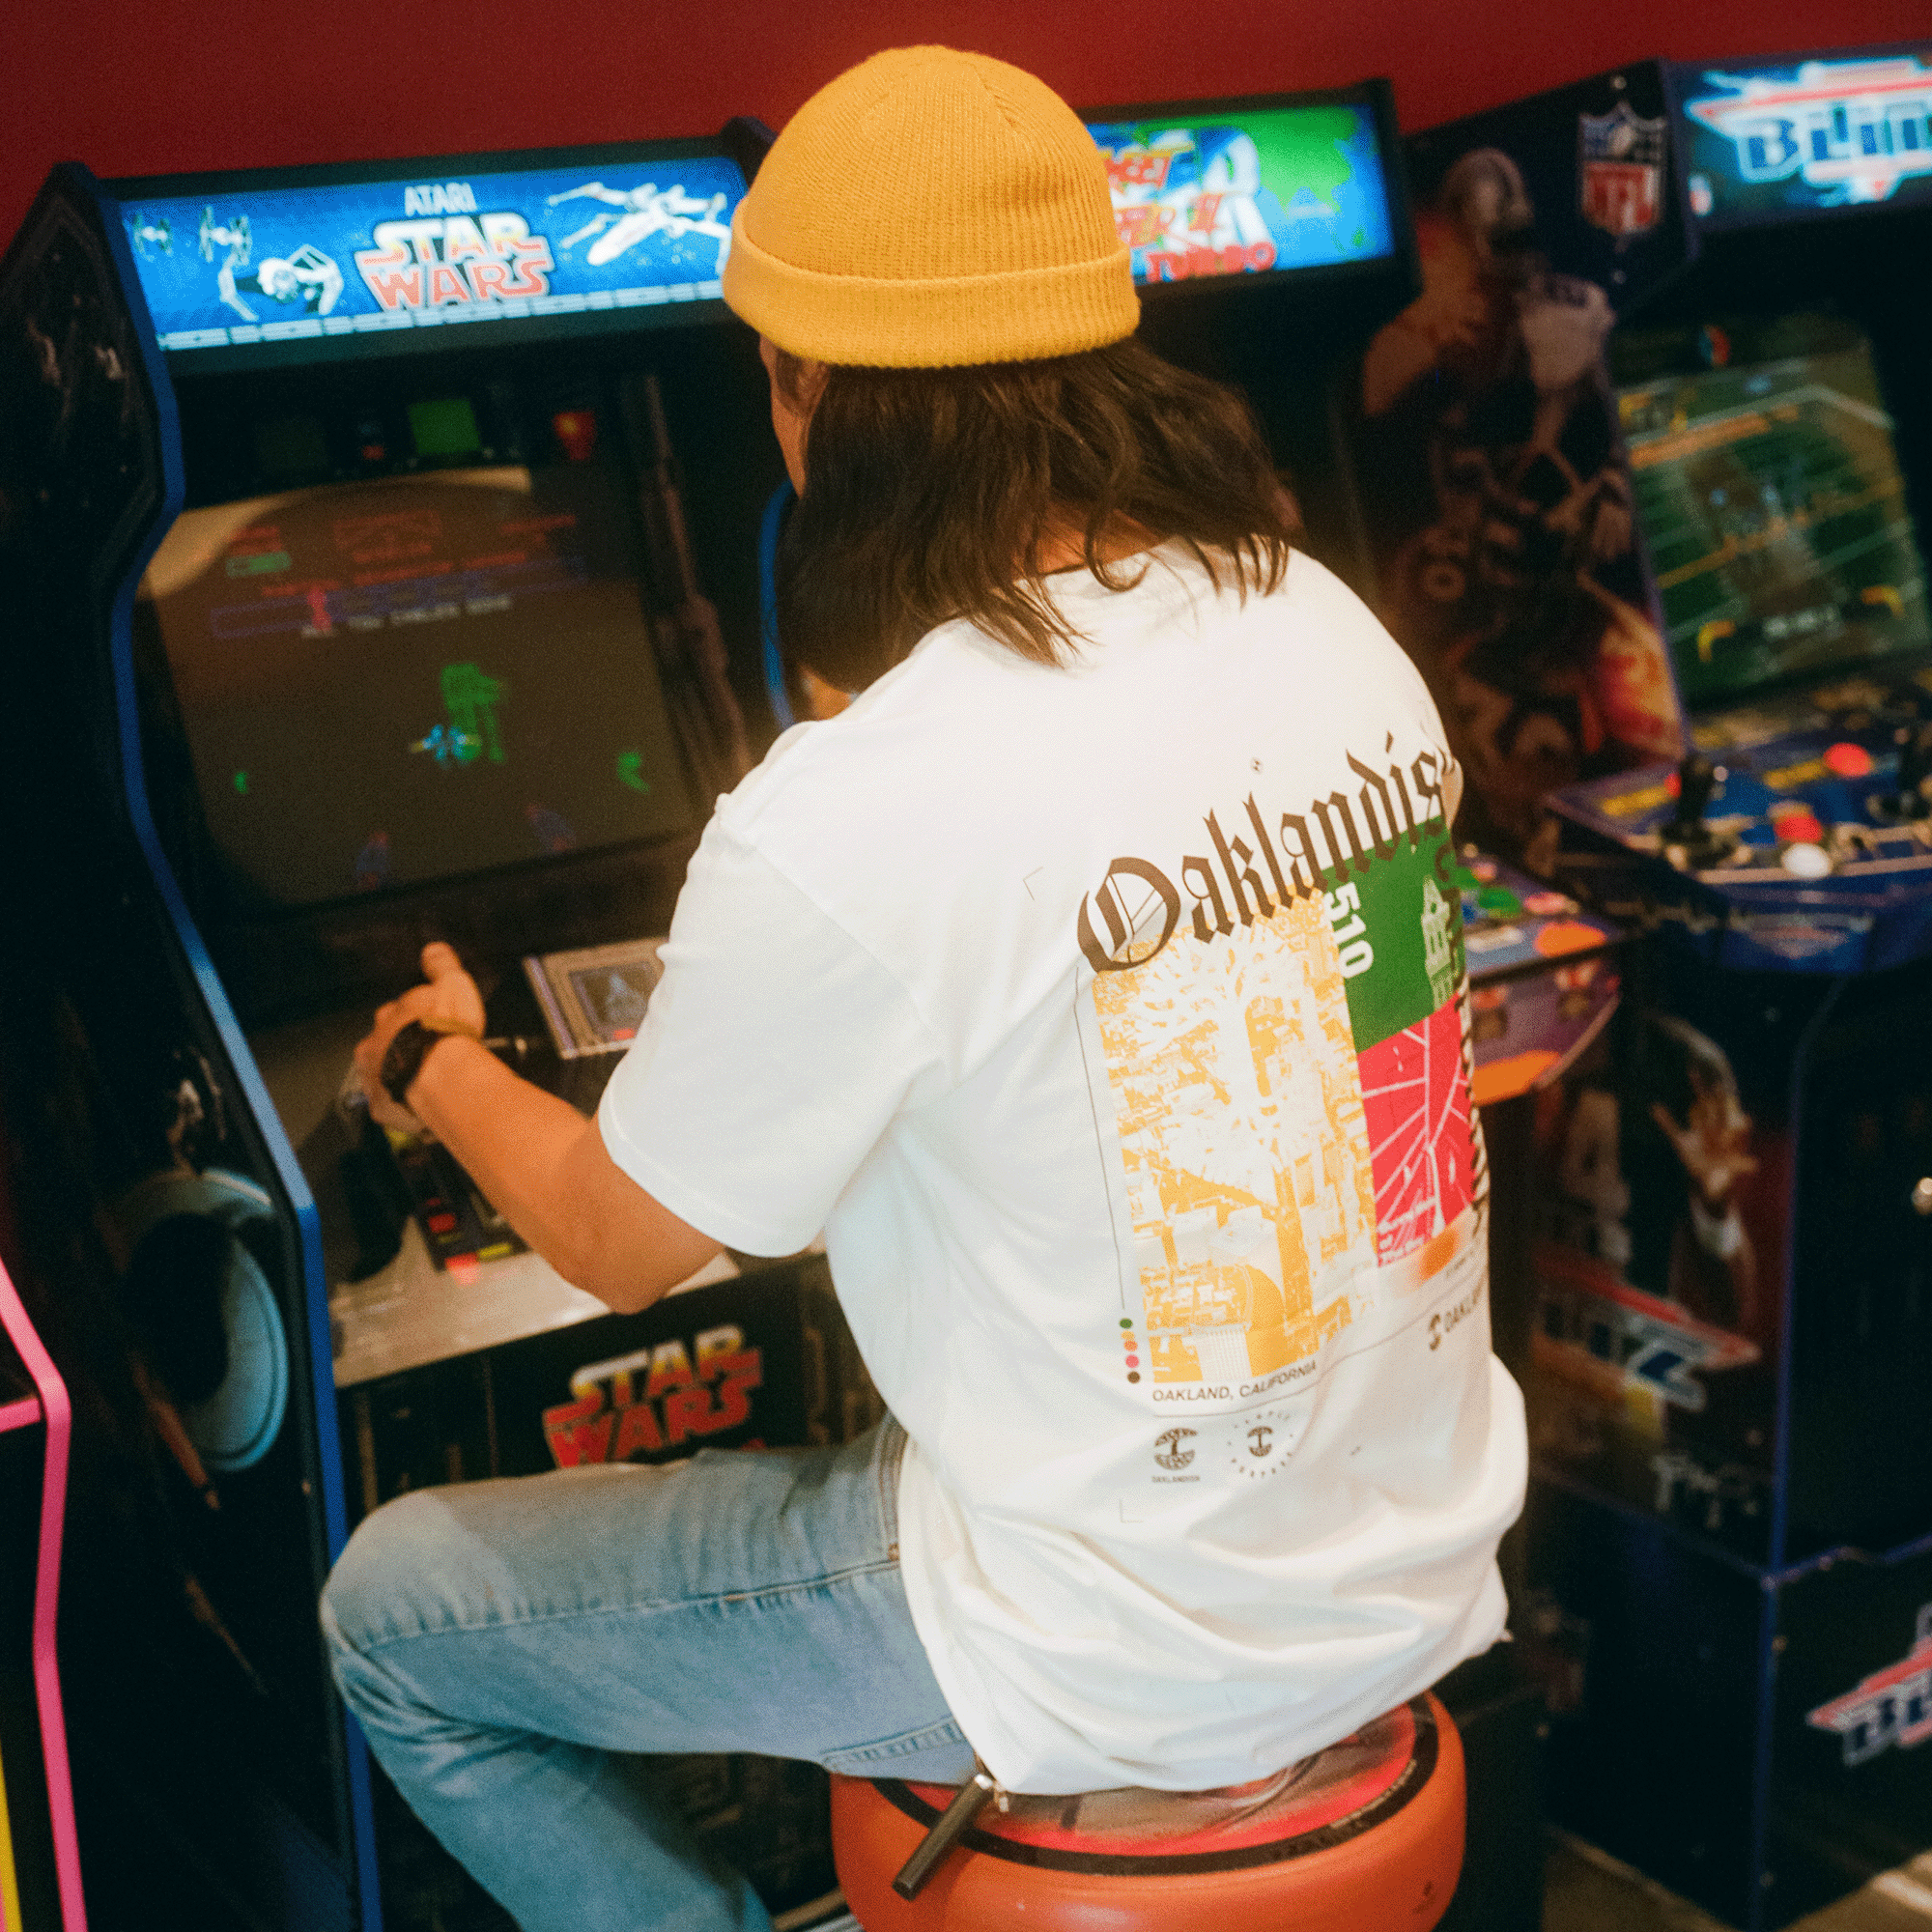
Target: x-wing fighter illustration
{"x": 643, "y": 211}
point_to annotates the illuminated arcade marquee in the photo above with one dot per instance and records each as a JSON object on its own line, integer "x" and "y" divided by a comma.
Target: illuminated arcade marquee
{"x": 349, "y": 254}
{"x": 1255, "y": 187}
{"x": 1771, "y": 142}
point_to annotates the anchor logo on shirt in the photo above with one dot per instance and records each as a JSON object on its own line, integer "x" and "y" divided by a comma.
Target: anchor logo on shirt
{"x": 1264, "y": 1444}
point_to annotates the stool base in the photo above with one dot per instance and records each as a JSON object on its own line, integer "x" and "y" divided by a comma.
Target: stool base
{"x": 1397, "y": 1872}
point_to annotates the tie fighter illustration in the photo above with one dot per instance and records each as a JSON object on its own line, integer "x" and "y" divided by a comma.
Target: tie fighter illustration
{"x": 235, "y": 236}
{"x": 150, "y": 238}
{"x": 305, "y": 276}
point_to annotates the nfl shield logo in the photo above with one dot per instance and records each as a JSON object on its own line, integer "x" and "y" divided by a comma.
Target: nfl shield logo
{"x": 1620, "y": 159}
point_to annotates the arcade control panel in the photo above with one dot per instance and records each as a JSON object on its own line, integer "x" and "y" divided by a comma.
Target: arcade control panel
{"x": 592, "y": 1000}
{"x": 1795, "y": 837}
{"x": 424, "y": 1264}
{"x": 1542, "y": 976}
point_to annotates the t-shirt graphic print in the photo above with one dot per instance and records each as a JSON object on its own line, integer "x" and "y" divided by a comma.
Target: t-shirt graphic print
{"x": 1281, "y": 1061}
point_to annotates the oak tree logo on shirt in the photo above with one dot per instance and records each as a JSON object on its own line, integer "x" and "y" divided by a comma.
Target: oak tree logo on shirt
{"x": 1168, "y": 1451}
{"x": 1264, "y": 1443}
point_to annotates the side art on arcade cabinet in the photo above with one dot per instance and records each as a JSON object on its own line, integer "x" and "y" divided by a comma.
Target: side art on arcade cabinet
{"x": 1643, "y": 461}
{"x": 39, "y": 1861}
{"x": 390, "y": 549}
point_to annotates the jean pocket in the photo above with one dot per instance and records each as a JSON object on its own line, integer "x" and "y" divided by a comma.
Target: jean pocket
{"x": 888, "y": 1455}
{"x": 934, "y": 1754}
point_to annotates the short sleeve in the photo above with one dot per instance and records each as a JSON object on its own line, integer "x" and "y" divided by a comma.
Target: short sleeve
{"x": 775, "y": 1055}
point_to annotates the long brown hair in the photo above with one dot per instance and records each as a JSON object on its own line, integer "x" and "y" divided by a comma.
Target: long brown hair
{"x": 930, "y": 494}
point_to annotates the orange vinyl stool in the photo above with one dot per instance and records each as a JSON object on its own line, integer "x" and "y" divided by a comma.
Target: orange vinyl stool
{"x": 1365, "y": 1837}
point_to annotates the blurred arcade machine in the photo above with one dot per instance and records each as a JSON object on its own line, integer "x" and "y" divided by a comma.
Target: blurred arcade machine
{"x": 1237, "y": 212}
{"x": 385, "y": 545}
{"x": 1648, "y": 456}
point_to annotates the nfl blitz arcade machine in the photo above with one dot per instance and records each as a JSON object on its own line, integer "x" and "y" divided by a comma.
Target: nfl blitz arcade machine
{"x": 1660, "y": 428}
{"x": 390, "y": 549}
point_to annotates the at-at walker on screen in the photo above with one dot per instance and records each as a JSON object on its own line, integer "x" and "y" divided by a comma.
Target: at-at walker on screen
{"x": 304, "y": 275}
{"x": 645, "y": 210}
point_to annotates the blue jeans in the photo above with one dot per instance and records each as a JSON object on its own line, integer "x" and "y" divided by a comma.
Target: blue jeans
{"x": 499, "y": 1640}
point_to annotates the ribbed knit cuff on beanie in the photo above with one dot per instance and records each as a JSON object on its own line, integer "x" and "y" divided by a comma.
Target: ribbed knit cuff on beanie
{"x": 931, "y": 209}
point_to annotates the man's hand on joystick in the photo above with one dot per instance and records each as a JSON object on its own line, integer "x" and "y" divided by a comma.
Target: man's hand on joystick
{"x": 447, "y": 1002}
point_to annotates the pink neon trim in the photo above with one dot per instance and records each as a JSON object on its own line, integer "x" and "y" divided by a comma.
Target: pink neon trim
{"x": 22, "y": 1414}
{"x": 53, "y": 1405}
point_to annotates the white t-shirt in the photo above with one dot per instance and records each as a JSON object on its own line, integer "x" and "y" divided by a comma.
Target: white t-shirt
{"x": 1109, "y": 1021}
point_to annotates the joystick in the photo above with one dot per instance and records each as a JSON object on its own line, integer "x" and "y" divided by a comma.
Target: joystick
{"x": 1914, "y": 768}
{"x": 1913, "y": 799}
{"x": 1686, "y": 832}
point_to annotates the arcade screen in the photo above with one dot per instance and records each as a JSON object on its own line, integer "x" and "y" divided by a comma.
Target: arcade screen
{"x": 1771, "y": 498}
{"x": 405, "y": 680}
{"x": 1248, "y": 188}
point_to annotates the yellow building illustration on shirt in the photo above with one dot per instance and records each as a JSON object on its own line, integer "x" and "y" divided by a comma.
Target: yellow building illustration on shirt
{"x": 1237, "y": 1101}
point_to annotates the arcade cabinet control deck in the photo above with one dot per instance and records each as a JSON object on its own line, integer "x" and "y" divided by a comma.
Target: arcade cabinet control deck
{"x": 1768, "y": 481}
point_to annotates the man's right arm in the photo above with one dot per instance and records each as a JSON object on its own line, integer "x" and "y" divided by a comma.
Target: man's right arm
{"x": 543, "y": 1165}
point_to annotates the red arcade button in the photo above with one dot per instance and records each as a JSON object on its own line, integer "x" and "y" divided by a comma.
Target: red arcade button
{"x": 1797, "y": 823}
{"x": 1847, "y": 760}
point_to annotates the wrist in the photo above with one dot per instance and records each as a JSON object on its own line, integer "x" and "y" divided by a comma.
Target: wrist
{"x": 407, "y": 1054}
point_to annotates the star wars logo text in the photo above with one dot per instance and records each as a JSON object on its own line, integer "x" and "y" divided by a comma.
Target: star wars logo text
{"x": 655, "y": 1400}
{"x": 437, "y": 261}
{"x": 1850, "y": 129}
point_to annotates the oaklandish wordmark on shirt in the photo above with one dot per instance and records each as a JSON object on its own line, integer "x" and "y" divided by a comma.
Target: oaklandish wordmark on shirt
{"x": 1395, "y": 804}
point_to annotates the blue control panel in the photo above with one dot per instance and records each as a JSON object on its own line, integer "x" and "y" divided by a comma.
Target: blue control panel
{"x": 1806, "y": 850}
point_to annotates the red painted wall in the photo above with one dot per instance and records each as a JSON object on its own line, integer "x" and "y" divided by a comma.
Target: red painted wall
{"x": 170, "y": 85}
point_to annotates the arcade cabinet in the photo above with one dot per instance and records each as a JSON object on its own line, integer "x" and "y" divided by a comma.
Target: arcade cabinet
{"x": 40, "y": 1864}
{"x": 1270, "y": 236}
{"x": 1668, "y": 438}
{"x": 381, "y": 548}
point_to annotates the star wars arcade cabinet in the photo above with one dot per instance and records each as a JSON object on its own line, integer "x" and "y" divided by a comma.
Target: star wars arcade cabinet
{"x": 1668, "y": 424}
{"x": 381, "y": 544}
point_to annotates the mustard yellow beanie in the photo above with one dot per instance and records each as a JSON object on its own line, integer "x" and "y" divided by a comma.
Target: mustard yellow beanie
{"x": 931, "y": 210}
